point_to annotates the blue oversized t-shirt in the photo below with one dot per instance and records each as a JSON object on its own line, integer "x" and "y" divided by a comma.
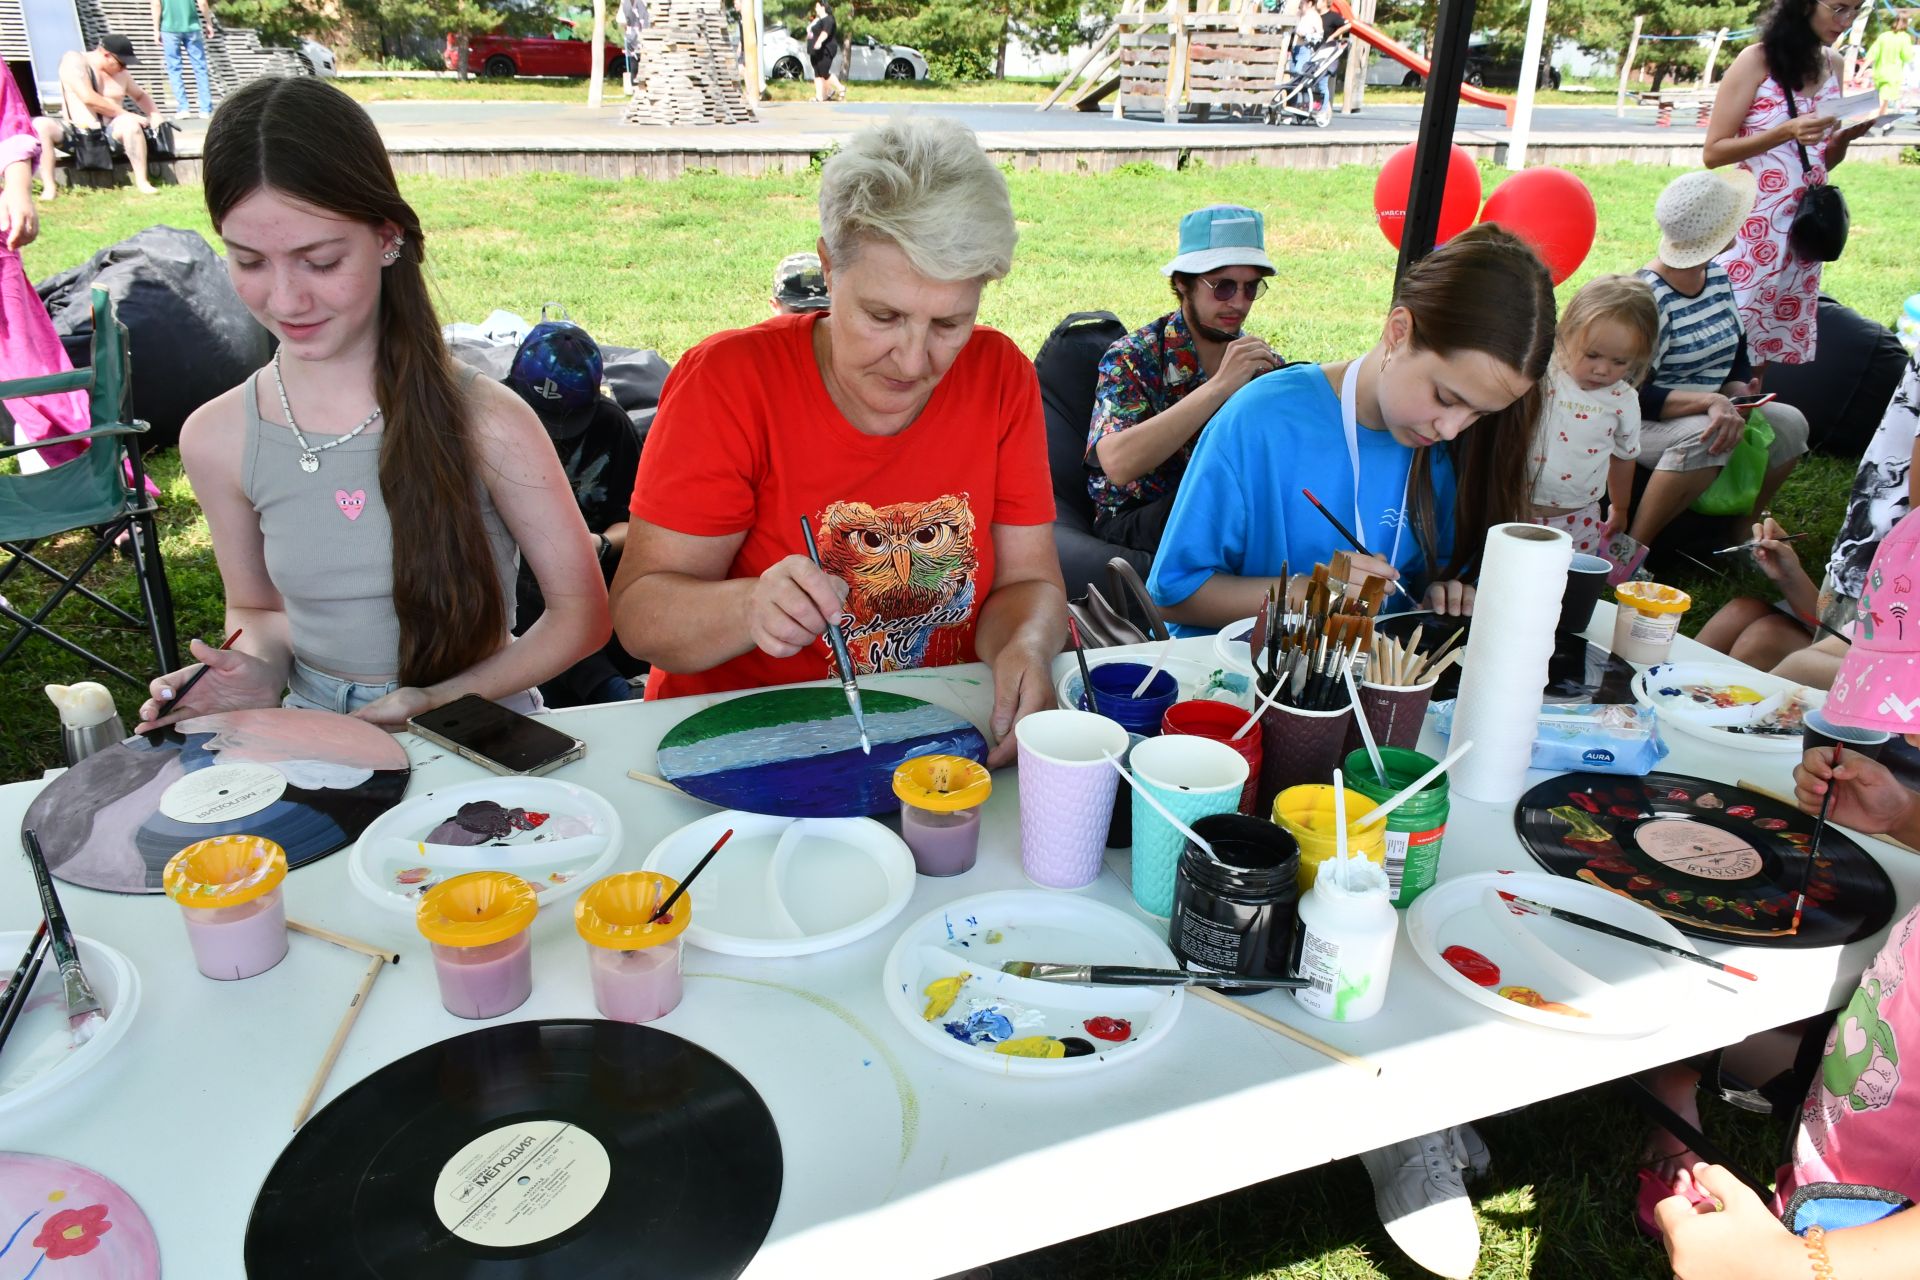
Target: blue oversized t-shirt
{"x": 1240, "y": 510}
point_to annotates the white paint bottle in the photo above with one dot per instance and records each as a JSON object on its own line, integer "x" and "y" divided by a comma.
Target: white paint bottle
{"x": 1347, "y": 928}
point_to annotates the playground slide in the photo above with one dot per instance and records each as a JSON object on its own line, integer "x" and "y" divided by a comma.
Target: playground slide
{"x": 1400, "y": 53}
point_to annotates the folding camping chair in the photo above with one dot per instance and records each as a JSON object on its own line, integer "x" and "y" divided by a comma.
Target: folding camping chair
{"x": 104, "y": 489}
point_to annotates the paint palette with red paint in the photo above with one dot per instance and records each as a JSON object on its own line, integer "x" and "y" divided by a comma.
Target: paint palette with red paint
{"x": 1717, "y": 861}
{"x": 1545, "y": 971}
{"x": 944, "y": 983}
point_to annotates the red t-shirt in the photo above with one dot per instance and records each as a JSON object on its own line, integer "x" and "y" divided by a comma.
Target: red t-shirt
{"x": 746, "y": 438}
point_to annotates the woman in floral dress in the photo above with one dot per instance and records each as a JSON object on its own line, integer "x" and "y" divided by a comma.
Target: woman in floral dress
{"x": 1776, "y": 289}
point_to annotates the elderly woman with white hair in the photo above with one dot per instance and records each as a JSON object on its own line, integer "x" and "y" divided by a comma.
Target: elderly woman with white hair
{"x": 910, "y": 436}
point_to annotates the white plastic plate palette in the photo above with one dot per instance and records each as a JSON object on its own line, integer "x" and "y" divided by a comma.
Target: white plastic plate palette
{"x": 787, "y": 886}
{"x": 943, "y": 982}
{"x": 39, "y": 1057}
{"x": 1546, "y": 971}
{"x": 1728, "y": 705}
{"x": 555, "y": 835}
{"x": 1233, "y": 645}
{"x": 1197, "y": 679}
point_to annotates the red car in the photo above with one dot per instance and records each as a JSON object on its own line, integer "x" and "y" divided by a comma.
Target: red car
{"x": 496, "y": 55}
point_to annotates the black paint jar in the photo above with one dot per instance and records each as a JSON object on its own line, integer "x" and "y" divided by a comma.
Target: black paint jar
{"x": 1235, "y": 911}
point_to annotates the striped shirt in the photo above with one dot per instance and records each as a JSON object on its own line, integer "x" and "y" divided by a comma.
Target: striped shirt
{"x": 1702, "y": 344}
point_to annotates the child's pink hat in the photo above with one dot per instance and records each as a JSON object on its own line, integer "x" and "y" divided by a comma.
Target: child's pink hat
{"x": 1879, "y": 683}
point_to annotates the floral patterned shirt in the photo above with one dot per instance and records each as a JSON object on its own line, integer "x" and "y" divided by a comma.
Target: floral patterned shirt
{"x": 1142, "y": 376}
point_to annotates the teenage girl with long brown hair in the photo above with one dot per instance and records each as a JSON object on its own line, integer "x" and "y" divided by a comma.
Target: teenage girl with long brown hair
{"x": 367, "y": 501}
{"x": 1419, "y": 446}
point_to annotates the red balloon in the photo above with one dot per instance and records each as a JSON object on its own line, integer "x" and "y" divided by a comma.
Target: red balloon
{"x": 1459, "y": 201}
{"x": 1551, "y": 210}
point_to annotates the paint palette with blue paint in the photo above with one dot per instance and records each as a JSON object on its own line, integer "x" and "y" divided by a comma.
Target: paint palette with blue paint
{"x": 943, "y": 982}
{"x": 796, "y": 752}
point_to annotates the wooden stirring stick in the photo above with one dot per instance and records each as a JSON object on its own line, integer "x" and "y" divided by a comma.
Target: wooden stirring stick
{"x": 1299, "y": 1037}
{"x": 359, "y": 1001}
{"x": 342, "y": 940}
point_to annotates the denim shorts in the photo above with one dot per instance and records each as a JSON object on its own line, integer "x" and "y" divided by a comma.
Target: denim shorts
{"x": 312, "y": 690}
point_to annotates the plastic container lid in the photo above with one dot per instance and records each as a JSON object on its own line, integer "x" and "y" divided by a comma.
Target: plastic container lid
{"x": 225, "y": 871}
{"x": 615, "y": 912}
{"x": 1651, "y": 597}
{"x": 476, "y": 909}
{"x": 942, "y": 784}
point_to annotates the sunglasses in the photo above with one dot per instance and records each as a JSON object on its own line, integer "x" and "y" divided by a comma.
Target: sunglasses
{"x": 1223, "y": 289}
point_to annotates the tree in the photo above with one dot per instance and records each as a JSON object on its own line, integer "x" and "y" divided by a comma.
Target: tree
{"x": 277, "y": 21}
{"x": 962, "y": 39}
{"x": 466, "y": 19}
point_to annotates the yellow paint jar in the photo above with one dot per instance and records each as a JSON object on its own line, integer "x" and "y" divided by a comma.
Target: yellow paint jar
{"x": 1306, "y": 812}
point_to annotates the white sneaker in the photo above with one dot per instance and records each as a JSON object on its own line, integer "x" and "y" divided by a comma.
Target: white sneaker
{"x": 1423, "y": 1203}
{"x": 1468, "y": 1145}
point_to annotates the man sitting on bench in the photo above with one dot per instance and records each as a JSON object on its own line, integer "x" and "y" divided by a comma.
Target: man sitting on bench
{"x": 94, "y": 87}
{"x": 1161, "y": 383}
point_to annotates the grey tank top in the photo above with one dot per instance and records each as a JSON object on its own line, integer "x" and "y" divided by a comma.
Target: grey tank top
{"x": 329, "y": 545}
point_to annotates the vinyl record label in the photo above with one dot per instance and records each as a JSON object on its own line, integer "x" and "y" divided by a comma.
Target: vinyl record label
{"x": 522, "y": 1183}
{"x": 223, "y": 793}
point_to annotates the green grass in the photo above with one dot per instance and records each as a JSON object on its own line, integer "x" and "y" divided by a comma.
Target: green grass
{"x": 665, "y": 264}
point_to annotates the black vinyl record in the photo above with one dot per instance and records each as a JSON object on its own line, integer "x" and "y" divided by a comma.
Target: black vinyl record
{"x": 556, "y": 1150}
{"x": 1719, "y": 862}
{"x": 1579, "y": 671}
{"x": 310, "y": 781}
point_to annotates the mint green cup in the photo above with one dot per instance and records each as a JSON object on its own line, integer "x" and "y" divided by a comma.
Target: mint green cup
{"x": 1193, "y": 778}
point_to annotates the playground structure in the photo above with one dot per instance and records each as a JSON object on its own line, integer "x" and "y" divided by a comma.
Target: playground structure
{"x": 1202, "y": 54}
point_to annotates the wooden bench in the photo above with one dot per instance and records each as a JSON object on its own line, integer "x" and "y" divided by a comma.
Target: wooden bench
{"x": 1666, "y": 102}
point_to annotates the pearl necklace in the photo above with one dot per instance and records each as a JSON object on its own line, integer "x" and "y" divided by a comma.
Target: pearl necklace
{"x": 309, "y": 455}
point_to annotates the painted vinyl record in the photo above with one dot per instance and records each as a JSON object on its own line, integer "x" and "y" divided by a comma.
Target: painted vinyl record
{"x": 63, "y": 1221}
{"x": 1719, "y": 862}
{"x": 308, "y": 780}
{"x": 795, "y": 753}
{"x": 581, "y": 1149}
{"x": 1578, "y": 671}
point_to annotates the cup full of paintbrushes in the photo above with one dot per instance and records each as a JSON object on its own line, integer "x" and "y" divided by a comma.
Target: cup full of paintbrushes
{"x": 1066, "y": 794}
{"x": 1191, "y": 778}
{"x": 1300, "y": 745}
{"x": 634, "y": 959}
{"x": 1220, "y": 721}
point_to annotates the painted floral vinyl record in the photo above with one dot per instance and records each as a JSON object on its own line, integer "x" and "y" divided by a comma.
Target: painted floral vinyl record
{"x": 1719, "y": 862}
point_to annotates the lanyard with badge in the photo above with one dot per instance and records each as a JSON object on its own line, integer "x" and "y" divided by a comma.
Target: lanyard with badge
{"x": 1350, "y": 419}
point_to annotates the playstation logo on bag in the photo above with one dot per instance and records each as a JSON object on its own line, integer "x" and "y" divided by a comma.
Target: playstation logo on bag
{"x": 558, "y": 371}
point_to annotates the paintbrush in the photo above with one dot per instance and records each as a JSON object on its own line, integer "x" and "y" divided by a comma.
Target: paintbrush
{"x": 84, "y": 1014}
{"x": 1120, "y": 975}
{"x": 1086, "y": 676}
{"x": 698, "y": 867}
{"x": 839, "y": 643}
{"x": 187, "y": 686}
{"x": 13, "y": 990}
{"x": 1754, "y": 542}
{"x": 22, "y": 986}
{"x": 1521, "y": 906}
{"x": 1353, "y": 542}
{"x": 1813, "y": 846}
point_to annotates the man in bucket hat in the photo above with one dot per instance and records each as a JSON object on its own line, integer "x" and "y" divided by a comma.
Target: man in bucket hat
{"x": 1162, "y": 383}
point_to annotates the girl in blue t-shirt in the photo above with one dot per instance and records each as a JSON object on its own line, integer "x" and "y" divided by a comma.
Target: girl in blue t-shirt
{"x": 1382, "y": 440}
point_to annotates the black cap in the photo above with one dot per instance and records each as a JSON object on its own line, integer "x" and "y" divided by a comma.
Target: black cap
{"x": 558, "y": 371}
{"x": 120, "y": 47}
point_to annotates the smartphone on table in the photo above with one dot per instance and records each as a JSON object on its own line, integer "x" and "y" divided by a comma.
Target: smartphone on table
{"x": 495, "y": 738}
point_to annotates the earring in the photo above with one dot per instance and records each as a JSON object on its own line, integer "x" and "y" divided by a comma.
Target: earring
{"x": 393, "y": 254}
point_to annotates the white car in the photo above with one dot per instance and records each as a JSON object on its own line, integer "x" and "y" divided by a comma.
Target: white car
{"x": 319, "y": 58}
{"x": 783, "y": 56}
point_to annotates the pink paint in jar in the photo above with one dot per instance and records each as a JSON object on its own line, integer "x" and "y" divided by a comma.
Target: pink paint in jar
{"x": 228, "y": 889}
{"x": 634, "y": 959}
{"x": 482, "y": 955}
{"x": 940, "y": 802}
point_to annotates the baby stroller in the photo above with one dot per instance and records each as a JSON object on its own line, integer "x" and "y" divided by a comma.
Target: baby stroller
{"x": 1293, "y": 101}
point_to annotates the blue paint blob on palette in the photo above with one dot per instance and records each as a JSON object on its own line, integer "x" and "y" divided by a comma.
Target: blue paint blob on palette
{"x": 796, "y": 752}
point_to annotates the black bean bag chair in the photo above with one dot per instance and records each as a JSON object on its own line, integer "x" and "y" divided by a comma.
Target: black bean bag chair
{"x": 1845, "y": 389}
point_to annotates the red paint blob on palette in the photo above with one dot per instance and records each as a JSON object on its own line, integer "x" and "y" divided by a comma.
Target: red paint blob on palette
{"x": 1472, "y": 966}
{"x": 1105, "y": 1028}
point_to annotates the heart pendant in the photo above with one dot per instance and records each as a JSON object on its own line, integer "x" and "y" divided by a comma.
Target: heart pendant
{"x": 309, "y": 463}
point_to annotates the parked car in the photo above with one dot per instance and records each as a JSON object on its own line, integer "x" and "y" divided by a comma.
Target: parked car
{"x": 783, "y": 56}
{"x": 318, "y": 57}
{"x": 568, "y": 55}
{"x": 1498, "y": 66}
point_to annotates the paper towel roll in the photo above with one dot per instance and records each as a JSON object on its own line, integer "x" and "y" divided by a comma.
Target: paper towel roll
{"x": 1523, "y": 574}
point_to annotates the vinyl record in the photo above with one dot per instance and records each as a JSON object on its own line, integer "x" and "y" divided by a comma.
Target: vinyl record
{"x": 582, "y": 1150}
{"x": 1578, "y": 671}
{"x": 308, "y": 780}
{"x": 1719, "y": 862}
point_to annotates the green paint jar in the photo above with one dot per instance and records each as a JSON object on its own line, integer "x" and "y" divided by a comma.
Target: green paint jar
{"x": 1414, "y": 830}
